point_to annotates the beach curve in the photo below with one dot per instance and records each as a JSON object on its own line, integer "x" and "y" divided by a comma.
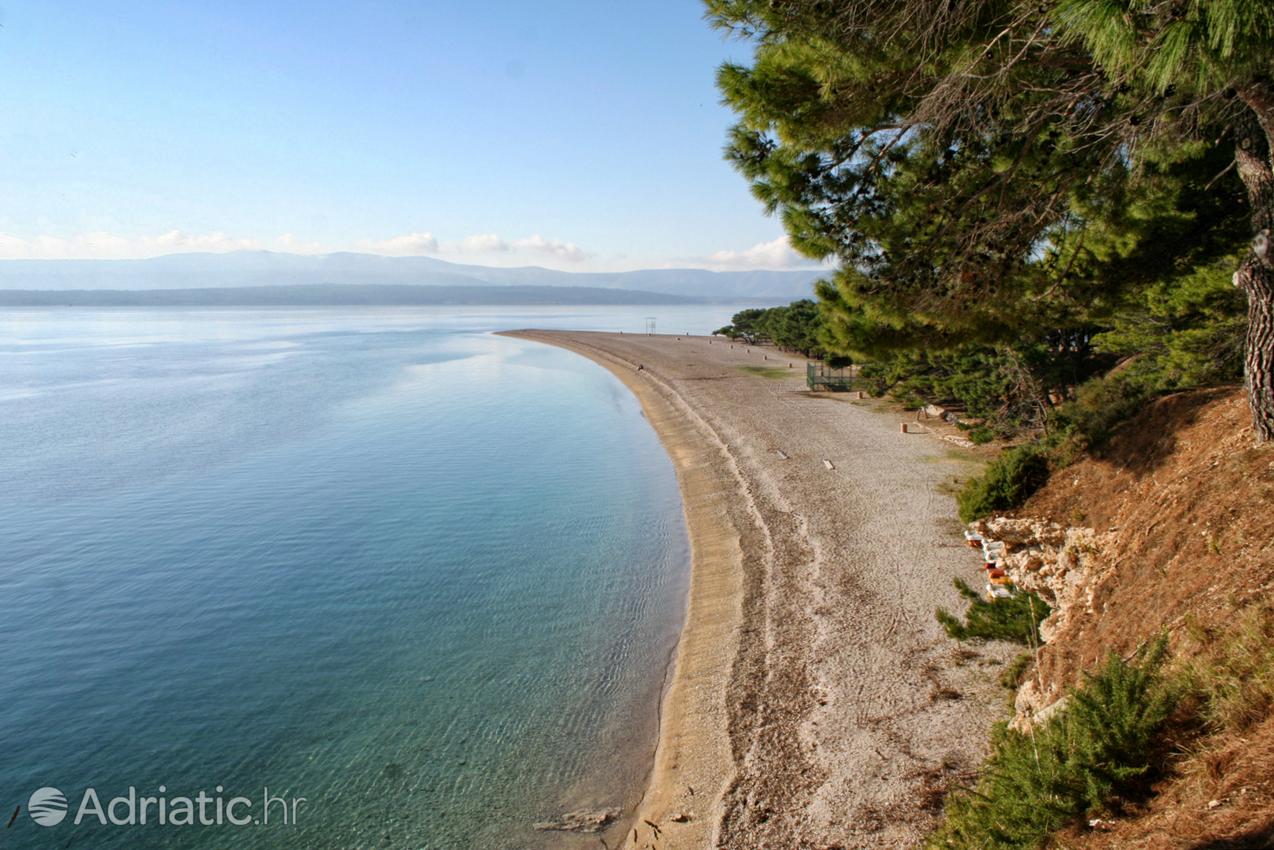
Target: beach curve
{"x": 813, "y": 700}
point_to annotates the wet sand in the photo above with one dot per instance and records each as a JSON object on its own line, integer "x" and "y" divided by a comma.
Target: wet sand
{"x": 814, "y": 701}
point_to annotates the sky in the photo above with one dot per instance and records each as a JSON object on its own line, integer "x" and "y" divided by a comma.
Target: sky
{"x": 573, "y": 134}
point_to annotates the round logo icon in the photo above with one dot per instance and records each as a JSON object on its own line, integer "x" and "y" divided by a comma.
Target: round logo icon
{"x": 47, "y": 806}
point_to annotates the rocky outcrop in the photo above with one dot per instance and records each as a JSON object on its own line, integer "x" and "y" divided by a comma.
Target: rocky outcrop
{"x": 1064, "y": 565}
{"x": 1034, "y": 704}
{"x": 584, "y": 820}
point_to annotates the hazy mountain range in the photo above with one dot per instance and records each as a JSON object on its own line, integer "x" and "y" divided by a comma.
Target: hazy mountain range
{"x": 326, "y": 294}
{"x": 297, "y": 278}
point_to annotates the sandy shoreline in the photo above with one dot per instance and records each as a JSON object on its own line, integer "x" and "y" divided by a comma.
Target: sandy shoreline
{"x": 814, "y": 702}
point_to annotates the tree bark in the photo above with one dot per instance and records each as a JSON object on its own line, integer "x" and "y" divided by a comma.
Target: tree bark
{"x": 1256, "y": 273}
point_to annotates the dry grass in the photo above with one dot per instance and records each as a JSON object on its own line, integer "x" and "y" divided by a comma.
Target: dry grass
{"x": 769, "y": 371}
{"x": 1218, "y": 792}
{"x": 1231, "y": 670}
{"x": 1184, "y": 498}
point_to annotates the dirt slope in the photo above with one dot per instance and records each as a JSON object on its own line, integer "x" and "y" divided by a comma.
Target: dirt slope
{"x": 1184, "y": 508}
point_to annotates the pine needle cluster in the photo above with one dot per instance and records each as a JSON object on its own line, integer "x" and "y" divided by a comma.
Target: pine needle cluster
{"x": 1088, "y": 759}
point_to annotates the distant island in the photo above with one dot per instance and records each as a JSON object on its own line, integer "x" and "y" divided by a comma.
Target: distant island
{"x": 323, "y": 294}
{"x": 321, "y": 274}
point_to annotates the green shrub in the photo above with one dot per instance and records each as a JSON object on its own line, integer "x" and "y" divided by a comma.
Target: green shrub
{"x": 981, "y": 435}
{"x": 1007, "y": 482}
{"x": 1000, "y": 386}
{"x": 1098, "y": 408}
{"x": 1099, "y": 749}
{"x": 1014, "y": 619}
{"x": 1113, "y": 723}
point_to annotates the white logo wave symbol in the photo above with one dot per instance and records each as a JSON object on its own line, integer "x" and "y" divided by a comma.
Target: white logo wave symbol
{"x": 47, "y": 806}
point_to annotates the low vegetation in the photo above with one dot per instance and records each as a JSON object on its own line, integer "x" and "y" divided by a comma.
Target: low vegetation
{"x": 767, "y": 371}
{"x": 1008, "y": 481}
{"x": 1015, "y": 619}
{"x": 1085, "y": 760}
{"x": 1232, "y": 674}
{"x": 1012, "y": 675}
{"x": 1130, "y": 724}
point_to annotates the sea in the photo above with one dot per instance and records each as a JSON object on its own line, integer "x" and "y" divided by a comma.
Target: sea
{"x": 327, "y": 578}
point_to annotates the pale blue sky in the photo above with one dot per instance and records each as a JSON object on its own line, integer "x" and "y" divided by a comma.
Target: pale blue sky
{"x": 568, "y": 133}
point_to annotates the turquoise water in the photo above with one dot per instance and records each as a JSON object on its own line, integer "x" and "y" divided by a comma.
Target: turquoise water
{"x": 427, "y": 578}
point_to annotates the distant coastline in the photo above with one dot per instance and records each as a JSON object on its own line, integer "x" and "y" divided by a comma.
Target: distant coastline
{"x": 317, "y": 295}
{"x": 268, "y": 269}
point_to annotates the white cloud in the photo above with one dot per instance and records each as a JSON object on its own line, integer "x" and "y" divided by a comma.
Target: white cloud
{"x": 479, "y": 243}
{"x": 477, "y": 246}
{"x": 409, "y": 244}
{"x": 480, "y": 247}
{"x": 112, "y": 246}
{"x": 775, "y": 254}
{"x": 568, "y": 251}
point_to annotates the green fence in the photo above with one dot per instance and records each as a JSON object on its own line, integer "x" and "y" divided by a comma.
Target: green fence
{"x": 819, "y": 376}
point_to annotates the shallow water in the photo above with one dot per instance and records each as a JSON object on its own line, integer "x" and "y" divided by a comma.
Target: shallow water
{"x": 427, "y": 578}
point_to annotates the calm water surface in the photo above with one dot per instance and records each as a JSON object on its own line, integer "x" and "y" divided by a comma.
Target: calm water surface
{"x": 424, "y": 577}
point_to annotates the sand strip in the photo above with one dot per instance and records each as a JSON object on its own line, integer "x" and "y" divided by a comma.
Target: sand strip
{"x": 814, "y": 701}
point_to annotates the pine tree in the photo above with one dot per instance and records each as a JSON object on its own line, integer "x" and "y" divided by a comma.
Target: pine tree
{"x": 956, "y": 157}
{"x": 1203, "y": 63}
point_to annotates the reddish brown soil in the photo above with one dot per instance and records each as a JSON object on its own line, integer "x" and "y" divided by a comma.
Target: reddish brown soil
{"x": 1190, "y": 502}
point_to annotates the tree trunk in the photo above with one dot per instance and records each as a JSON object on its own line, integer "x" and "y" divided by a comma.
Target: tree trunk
{"x": 1256, "y": 273}
{"x": 1258, "y": 355}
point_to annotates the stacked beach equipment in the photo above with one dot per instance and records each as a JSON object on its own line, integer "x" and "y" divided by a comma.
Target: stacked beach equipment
{"x": 999, "y": 585}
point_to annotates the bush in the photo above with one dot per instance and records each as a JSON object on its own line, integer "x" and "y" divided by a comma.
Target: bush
{"x": 1082, "y": 761}
{"x": 1008, "y": 481}
{"x": 1014, "y": 619}
{"x": 1098, "y": 408}
{"x": 981, "y": 435}
{"x": 985, "y": 380}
